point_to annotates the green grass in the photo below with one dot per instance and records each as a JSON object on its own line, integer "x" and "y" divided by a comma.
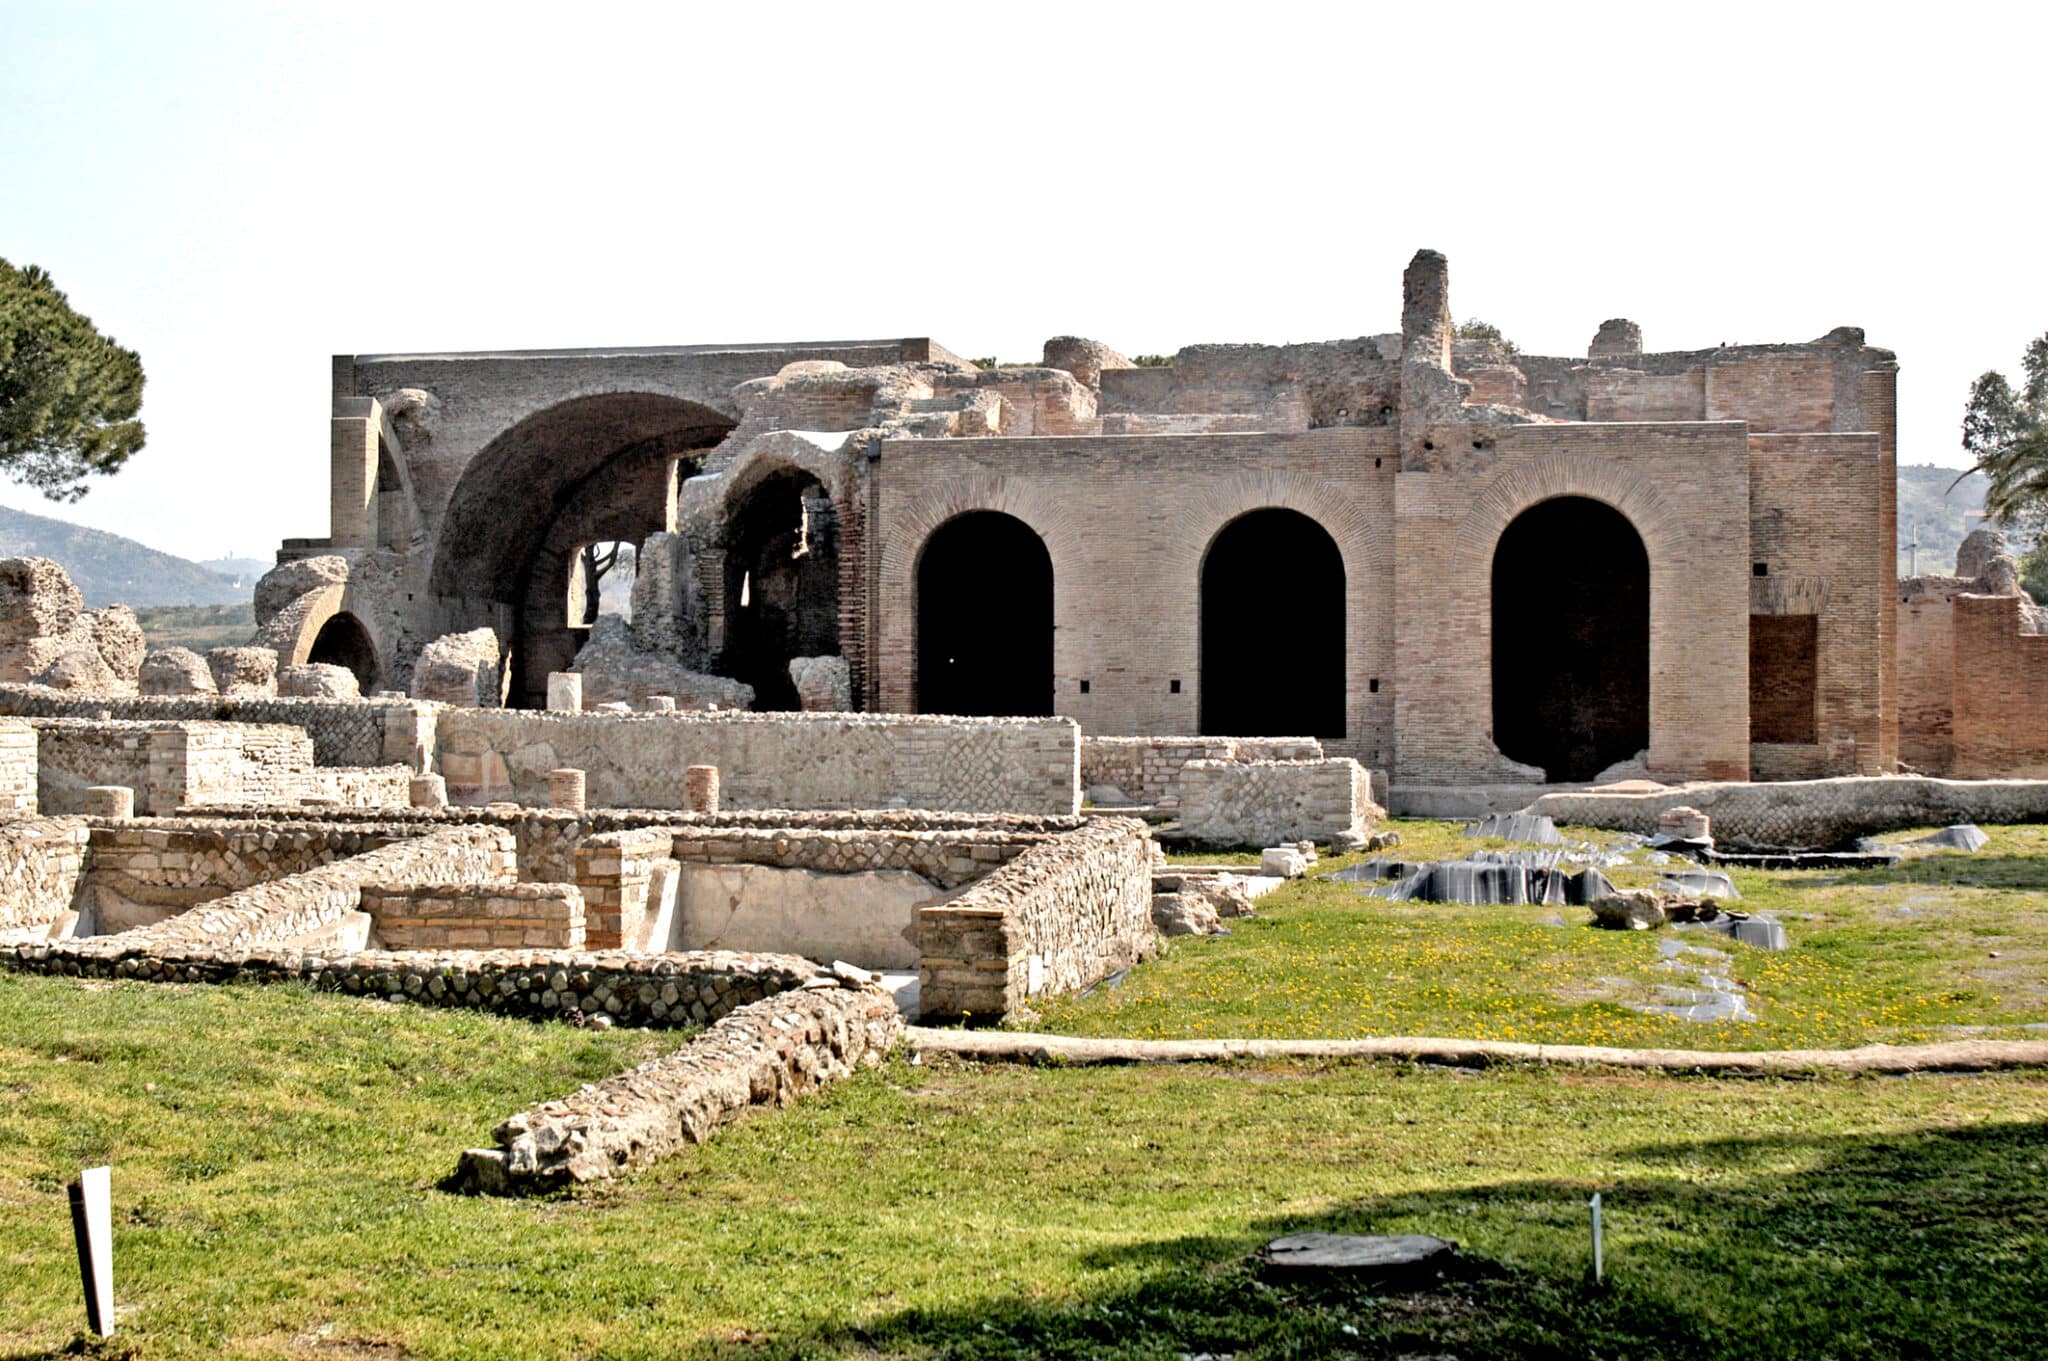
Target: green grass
{"x": 1947, "y": 944}
{"x": 276, "y": 1195}
{"x": 198, "y": 627}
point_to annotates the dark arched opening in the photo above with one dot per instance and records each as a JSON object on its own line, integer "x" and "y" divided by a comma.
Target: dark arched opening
{"x": 984, "y": 618}
{"x": 343, "y": 641}
{"x": 1264, "y": 566}
{"x": 1571, "y": 639}
{"x": 781, "y": 584}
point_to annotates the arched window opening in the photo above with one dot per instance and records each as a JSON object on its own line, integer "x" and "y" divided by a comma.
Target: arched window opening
{"x": 1571, "y": 639}
{"x": 781, "y": 584}
{"x": 1266, "y": 565}
{"x": 984, "y": 619}
{"x": 343, "y": 641}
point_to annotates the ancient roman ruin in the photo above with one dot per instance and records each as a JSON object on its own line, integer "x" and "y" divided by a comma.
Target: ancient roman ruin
{"x": 924, "y": 656}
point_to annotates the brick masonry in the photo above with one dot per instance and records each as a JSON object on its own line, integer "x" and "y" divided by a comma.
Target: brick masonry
{"x": 1054, "y": 920}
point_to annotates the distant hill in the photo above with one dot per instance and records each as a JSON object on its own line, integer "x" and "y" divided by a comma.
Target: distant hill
{"x": 244, "y": 570}
{"x": 1939, "y": 517}
{"x": 111, "y": 570}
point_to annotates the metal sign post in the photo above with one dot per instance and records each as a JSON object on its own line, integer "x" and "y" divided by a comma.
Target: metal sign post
{"x": 1599, "y": 1257}
{"x": 92, "y": 1224}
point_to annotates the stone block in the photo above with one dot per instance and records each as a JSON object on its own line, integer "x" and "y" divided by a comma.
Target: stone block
{"x": 1283, "y": 862}
{"x": 565, "y": 692}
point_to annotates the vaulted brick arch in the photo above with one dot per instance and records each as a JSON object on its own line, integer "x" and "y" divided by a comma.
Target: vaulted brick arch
{"x": 597, "y": 467}
{"x": 1661, "y": 479}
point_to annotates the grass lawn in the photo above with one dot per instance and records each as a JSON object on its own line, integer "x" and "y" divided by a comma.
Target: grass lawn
{"x": 275, "y": 1195}
{"x": 1946, "y": 945}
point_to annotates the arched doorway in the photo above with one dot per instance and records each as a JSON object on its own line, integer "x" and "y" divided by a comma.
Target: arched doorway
{"x": 984, "y": 618}
{"x": 1264, "y": 566}
{"x": 599, "y": 468}
{"x": 781, "y": 583}
{"x": 343, "y": 641}
{"x": 1571, "y": 639}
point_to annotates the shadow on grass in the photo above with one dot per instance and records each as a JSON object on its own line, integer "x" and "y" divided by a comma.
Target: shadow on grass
{"x": 1924, "y": 1245}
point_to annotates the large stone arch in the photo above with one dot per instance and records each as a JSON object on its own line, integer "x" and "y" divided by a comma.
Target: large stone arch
{"x": 1661, "y": 480}
{"x": 603, "y": 462}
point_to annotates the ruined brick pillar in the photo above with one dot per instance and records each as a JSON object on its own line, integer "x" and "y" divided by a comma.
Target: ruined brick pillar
{"x": 429, "y": 791}
{"x": 1617, "y": 338}
{"x": 352, "y": 474}
{"x": 700, "y": 789}
{"x": 1429, "y": 391}
{"x": 565, "y": 790}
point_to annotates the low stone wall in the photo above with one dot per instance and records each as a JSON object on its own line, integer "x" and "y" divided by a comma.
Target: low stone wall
{"x": 344, "y": 732}
{"x": 677, "y": 990}
{"x": 172, "y": 764}
{"x": 770, "y": 1053}
{"x": 770, "y": 760}
{"x": 374, "y": 787}
{"x": 1807, "y": 814}
{"x": 41, "y": 860}
{"x": 282, "y": 908}
{"x": 948, "y": 859}
{"x": 1054, "y": 920}
{"x": 143, "y": 870}
{"x": 949, "y": 849}
{"x": 1270, "y": 803}
{"x": 1146, "y": 770}
{"x": 465, "y": 916}
{"x": 18, "y": 771}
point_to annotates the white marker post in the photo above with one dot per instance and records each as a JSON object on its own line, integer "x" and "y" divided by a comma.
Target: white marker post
{"x": 1599, "y": 1258}
{"x": 92, "y": 1224}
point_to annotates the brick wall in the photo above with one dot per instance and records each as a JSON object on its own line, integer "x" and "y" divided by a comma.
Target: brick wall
{"x": 2001, "y": 691}
{"x": 1147, "y": 769}
{"x": 1927, "y": 676}
{"x": 279, "y": 909}
{"x": 1126, "y": 523}
{"x": 1053, "y": 920}
{"x": 477, "y": 917}
{"x": 1814, "y": 503}
{"x": 1662, "y": 478}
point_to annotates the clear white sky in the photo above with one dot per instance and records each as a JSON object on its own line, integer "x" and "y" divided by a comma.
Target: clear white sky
{"x": 239, "y": 191}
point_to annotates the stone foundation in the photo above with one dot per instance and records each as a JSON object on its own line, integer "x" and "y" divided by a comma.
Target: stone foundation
{"x": 774, "y": 760}
{"x": 1146, "y": 770}
{"x": 490, "y": 917}
{"x": 770, "y": 1053}
{"x": 1265, "y": 803}
{"x": 1807, "y": 814}
{"x": 1054, "y": 920}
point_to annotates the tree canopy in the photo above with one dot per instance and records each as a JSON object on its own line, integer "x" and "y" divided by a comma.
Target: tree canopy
{"x": 1472, "y": 328}
{"x": 2005, "y": 430}
{"x": 69, "y": 396}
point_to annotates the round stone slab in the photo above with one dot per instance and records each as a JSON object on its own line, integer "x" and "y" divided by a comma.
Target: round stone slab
{"x": 1358, "y": 1256}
